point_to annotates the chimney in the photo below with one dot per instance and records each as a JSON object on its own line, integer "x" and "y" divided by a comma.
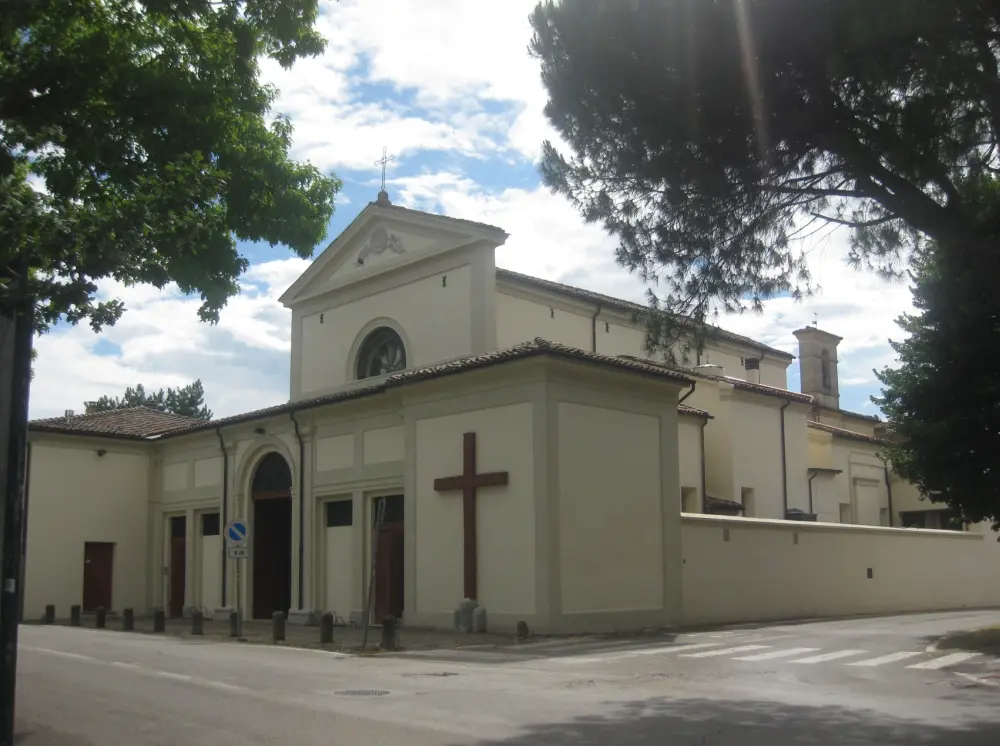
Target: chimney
{"x": 818, "y": 365}
{"x": 68, "y": 414}
{"x": 752, "y": 367}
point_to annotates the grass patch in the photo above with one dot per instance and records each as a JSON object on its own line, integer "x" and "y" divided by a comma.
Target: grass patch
{"x": 985, "y": 640}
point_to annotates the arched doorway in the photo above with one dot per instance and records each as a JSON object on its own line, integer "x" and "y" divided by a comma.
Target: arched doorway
{"x": 271, "y": 491}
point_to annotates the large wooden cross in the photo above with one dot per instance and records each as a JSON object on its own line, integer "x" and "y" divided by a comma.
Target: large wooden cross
{"x": 469, "y": 482}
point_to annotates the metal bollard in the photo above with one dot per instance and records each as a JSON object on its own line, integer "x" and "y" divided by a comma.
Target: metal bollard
{"x": 128, "y": 620}
{"x": 74, "y": 615}
{"x": 50, "y": 614}
{"x": 278, "y": 626}
{"x": 197, "y": 622}
{"x": 326, "y": 627}
{"x": 101, "y": 618}
{"x": 389, "y": 633}
{"x": 234, "y": 624}
{"x": 159, "y": 620}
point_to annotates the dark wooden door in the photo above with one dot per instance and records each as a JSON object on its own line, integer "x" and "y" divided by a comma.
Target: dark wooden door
{"x": 272, "y": 556}
{"x": 389, "y": 572}
{"x": 98, "y": 574}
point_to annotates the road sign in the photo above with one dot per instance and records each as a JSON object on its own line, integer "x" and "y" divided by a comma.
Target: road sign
{"x": 236, "y": 532}
{"x": 239, "y": 552}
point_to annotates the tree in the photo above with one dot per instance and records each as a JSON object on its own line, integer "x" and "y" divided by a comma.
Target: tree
{"x": 136, "y": 143}
{"x": 188, "y": 401}
{"x": 942, "y": 399}
{"x": 707, "y": 136}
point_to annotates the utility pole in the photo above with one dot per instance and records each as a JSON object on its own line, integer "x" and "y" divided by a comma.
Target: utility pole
{"x": 16, "y": 330}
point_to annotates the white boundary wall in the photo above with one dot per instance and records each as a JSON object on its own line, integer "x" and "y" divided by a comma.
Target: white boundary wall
{"x": 746, "y": 570}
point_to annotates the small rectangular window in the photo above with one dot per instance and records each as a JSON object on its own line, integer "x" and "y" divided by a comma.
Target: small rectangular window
{"x": 210, "y": 524}
{"x": 340, "y": 513}
{"x": 178, "y": 527}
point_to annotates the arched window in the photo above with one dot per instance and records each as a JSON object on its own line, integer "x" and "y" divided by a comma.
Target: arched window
{"x": 825, "y": 370}
{"x": 382, "y": 352}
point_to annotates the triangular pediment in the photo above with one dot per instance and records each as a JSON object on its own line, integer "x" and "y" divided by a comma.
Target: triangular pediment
{"x": 381, "y": 239}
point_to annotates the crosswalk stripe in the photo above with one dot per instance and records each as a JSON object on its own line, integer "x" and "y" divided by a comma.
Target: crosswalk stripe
{"x": 724, "y": 651}
{"x": 825, "y": 657}
{"x": 943, "y": 661}
{"x": 634, "y": 653}
{"x": 774, "y": 654}
{"x": 881, "y": 660}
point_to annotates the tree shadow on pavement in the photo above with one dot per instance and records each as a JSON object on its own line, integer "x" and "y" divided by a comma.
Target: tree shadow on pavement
{"x": 985, "y": 641}
{"x": 706, "y": 722}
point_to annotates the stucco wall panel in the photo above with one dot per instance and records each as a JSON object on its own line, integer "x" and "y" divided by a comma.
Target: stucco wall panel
{"x": 611, "y": 529}
{"x": 383, "y": 445}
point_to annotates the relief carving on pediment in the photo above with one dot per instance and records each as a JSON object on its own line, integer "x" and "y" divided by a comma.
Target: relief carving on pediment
{"x": 380, "y": 241}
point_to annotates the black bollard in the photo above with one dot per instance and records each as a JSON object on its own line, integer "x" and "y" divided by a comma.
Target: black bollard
{"x": 278, "y": 626}
{"x": 389, "y": 633}
{"x": 234, "y": 624}
{"x": 101, "y": 618}
{"x": 522, "y": 631}
{"x": 128, "y": 620}
{"x": 159, "y": 620}
{"x": 197, "y": 622}
{"x": 50, "y": 614}
{"x": 326, "y": 627}
{"x": 74, "y": 615}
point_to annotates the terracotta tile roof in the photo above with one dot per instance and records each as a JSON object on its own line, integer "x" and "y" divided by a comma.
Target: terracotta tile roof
{"x": 737, "y": 383}
{"x": 840, "y": 432}
{"x": 133, "y": 422}
{"x": 624, "y": 305}
{"x": 848, "y": 413}
{"x": 685, "y": 409}
{"x": 535, "y": 347}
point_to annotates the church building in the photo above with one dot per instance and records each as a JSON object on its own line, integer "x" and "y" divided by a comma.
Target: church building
{"x": 461, "y": 434}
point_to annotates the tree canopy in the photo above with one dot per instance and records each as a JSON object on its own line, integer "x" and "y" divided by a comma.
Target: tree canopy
{"x": 137, "y": 144}
{"x": 185, "y": 400}
{"x": 707, "y": 136}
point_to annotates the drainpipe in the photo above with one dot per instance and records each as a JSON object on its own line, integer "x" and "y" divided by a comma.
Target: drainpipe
{"x": 690, "y": 391}
{"x": 704, "y": 479}
{"x": 24, "y": 531}
{"x": 302, "y": 503}
{"x": 888, "y": 489}
{"x": 225, "y": 508}
{"x": 784, "y": 462}
{"x": 812, "y": 476}
{"x": 593, "y": 330}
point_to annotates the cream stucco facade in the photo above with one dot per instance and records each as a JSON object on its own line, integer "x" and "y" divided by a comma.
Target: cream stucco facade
{"x": 418, "y": 367}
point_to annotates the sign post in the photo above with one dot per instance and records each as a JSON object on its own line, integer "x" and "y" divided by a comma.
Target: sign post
{"x": 238, "y": 548}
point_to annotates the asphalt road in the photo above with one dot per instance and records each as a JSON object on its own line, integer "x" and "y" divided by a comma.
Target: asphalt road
{"x": 741, "y": 687}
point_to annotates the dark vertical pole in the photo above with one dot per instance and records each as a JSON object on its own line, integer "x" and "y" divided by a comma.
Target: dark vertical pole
{"x": 16, "y": 327}
{"x": 225, "y": 511}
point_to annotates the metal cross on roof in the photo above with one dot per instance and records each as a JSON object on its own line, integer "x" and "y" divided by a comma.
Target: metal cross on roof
{"x": 383, "y": 162}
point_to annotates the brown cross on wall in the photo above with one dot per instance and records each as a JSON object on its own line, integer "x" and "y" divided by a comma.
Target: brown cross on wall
{"x": 469, "y": 482}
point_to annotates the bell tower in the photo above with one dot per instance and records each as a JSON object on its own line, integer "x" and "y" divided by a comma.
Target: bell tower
{"x": 818, "y": 365}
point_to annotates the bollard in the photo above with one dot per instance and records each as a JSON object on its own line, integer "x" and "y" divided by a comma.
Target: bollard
{"x": 278, "y": 626}
{"x": 74, "y": 615}
{"x": 197, "y": 622}
{"x": 523, "y": 633}
{"x": 326, "y": 627}
{"x": 50, "y": 614}
{"x": 159, "y": 620}
{"x": 101, "y": 618}
{"x": 128, "y": 620}
{"x": 234, "y": 624}
{"x": 389, "y": 633}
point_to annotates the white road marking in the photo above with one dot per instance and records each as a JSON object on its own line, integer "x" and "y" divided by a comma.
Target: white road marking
{"x": 174, "y": 676}
{"x": 60, "y": 653}
{"x": 774, "y": 654}
{"x": 882, "y": 660}
{"x": 983, "y": 680}
{"x": 636, "y": 653}
{"x": 943, "y": 661}
{"x": 130, "y": 666}
{"x": 825, "y": 657}
{"x": 724, "y": 651}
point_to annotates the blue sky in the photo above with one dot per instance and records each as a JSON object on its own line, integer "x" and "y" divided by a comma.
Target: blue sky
{"x": 448, "y": 87}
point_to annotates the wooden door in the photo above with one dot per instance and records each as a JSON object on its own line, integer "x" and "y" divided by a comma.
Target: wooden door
{"x": 98, "y": 574}
{"x": 389, "y": 572}
{"x": 178, "y": 566}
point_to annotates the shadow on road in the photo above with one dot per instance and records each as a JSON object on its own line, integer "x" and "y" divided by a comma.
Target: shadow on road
{"x": 702, "y": 722}
{"x": 985, "y": 641}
